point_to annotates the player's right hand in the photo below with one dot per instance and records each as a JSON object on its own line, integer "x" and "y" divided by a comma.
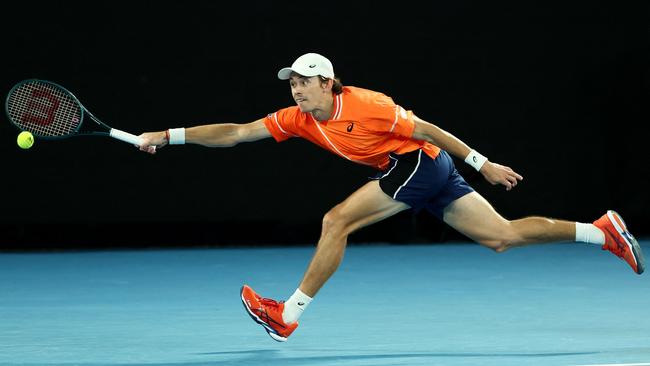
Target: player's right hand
{"x": 152, "y": 141}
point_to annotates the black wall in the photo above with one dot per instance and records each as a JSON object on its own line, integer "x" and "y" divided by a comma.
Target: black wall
{"x": 557, "y": 92}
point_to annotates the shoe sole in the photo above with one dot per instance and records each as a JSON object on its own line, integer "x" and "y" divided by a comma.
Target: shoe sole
{"x": 631, "y": 242}
{"x": 259, "y": 321}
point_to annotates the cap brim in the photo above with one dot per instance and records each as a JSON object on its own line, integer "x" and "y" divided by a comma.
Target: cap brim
{"x": 285, "y": 74}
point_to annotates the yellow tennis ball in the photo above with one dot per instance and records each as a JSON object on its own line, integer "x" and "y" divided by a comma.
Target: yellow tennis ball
{"x": 25, "y": 139}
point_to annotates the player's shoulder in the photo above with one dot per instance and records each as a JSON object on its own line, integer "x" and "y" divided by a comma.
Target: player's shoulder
{"x": 366, "y": 96}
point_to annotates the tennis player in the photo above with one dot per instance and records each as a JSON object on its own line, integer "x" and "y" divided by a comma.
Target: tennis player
{"x": 415, "y": 171}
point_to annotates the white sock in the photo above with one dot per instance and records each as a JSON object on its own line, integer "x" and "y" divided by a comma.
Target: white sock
{"x": 589, "y": 233}
{"x": 294, "y": 307}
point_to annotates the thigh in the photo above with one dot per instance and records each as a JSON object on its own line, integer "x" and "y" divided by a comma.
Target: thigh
{"x": 367, "y": 205}
{"x": 473, "y": 216}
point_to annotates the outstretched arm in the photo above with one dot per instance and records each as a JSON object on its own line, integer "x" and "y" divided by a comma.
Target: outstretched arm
{"x": 213, "y": 135}
{"x": 493, "y": 173}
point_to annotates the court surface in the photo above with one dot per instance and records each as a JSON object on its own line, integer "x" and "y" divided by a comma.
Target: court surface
{"x": 441, "y": 304}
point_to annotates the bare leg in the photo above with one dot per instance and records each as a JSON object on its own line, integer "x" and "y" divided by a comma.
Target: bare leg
{"x": 474, "y": 217}
{"x": 369, "y": 204}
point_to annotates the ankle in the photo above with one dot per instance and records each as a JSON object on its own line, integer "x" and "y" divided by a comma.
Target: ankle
{"x": 589, "y": 233}
{"x": 294, "y": 306}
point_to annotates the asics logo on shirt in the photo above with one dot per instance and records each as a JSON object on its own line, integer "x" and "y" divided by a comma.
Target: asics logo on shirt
{"x": 350, "y": 127}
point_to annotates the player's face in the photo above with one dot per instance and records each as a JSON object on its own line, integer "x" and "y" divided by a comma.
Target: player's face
{"x": 307, "y": 92}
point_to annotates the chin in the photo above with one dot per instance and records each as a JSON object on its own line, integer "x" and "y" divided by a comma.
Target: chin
{"x": 304, "y": 109}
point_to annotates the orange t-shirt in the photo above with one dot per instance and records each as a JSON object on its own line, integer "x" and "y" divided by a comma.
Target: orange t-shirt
{"x": 365, "y": 126}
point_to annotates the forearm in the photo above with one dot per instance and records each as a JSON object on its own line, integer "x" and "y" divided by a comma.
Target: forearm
{"x": 214, "y": 135}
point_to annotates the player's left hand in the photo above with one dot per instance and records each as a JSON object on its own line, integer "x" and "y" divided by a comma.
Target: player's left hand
{"x": 500, "y": 174}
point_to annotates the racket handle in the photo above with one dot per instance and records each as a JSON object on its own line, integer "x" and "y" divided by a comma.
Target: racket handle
{"x": 126, "y": 137}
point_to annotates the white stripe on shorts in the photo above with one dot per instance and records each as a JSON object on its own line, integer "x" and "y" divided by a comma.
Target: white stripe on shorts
{"x": 410, "y": 176}
{"x": 391, "y": 168}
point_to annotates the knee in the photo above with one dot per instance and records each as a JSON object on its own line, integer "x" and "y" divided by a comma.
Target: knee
{"x": 501, "y": 246}
{"x": 498, "y": 245}
{"x": 335, "y": 223}
{"x": 501, "y": 240}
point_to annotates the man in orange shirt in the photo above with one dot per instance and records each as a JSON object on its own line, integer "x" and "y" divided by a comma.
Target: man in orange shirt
{"x": 416, "y": 171}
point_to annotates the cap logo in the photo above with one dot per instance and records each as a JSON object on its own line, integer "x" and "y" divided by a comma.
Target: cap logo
{"x": 312, "y": 66}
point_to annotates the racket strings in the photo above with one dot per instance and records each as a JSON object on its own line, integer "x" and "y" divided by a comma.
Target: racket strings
{"x": 44, "y": 109}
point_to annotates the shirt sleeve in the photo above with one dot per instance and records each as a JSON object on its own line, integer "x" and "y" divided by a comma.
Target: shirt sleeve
{"x": 281, "y": 124}
{"x": 391, "y": 118}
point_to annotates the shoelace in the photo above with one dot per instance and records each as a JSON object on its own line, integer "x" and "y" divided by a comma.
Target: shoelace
{"x": 264, "y": 315}
{"x": 270, "y": 302}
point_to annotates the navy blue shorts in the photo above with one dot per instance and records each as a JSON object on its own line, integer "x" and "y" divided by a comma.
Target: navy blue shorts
{"x": 421, "y": 182}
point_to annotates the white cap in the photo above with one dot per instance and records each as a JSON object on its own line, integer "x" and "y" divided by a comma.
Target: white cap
{"x": 309, "y": 64}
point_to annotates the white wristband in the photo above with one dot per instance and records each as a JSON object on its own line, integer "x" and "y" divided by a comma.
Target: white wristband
{"x": 177, "y": 136}
{"x": 475, "y": 159}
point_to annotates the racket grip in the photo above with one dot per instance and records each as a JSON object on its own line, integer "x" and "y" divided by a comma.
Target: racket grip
{"x": 126, "y": 137}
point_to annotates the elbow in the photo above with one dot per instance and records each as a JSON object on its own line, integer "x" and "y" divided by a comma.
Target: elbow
{"x": 429, "y": 136}
{"x": 425, "y": 131}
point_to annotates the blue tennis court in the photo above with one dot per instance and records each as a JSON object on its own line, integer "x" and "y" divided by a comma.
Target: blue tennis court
{"x": 443, "y": 304}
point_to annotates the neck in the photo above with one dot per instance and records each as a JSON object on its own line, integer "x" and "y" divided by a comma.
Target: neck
{"x": 324, "y": 110}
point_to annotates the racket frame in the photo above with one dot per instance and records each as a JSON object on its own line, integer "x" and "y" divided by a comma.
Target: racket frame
{"x": 109, "y": 131}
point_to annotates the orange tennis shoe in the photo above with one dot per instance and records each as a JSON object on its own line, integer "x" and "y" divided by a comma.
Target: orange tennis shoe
{"x": 267, "y": 313}
{"x": 619, "y": 241}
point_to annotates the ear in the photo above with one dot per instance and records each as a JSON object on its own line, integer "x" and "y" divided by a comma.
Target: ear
{"x": 328, "y": 85}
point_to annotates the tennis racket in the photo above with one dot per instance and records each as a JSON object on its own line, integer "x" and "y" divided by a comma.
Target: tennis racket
{"x": 49, "y": 111}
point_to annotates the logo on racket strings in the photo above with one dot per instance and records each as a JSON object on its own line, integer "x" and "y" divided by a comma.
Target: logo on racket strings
{"x": 41, "y": 107}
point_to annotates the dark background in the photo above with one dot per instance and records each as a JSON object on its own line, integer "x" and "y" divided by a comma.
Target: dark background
{"x": 556, "y": 91}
